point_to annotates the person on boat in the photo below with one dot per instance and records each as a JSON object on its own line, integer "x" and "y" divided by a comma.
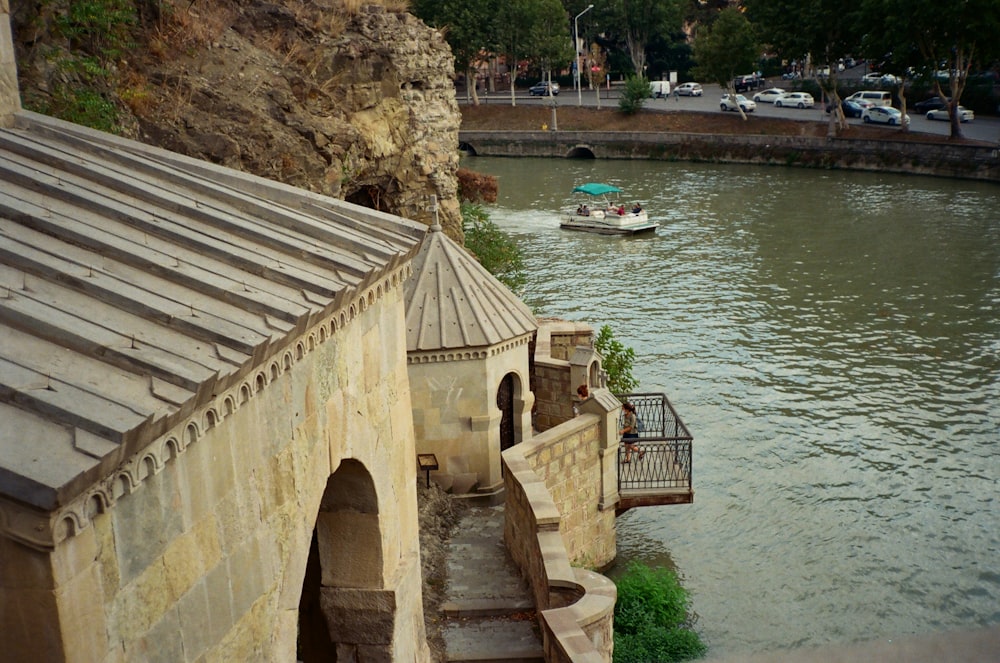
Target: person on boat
{"x": 621, "y": 210}
{"x": 636, "y": 208}
{"x": 579, "y": 209}
{"x": 585, "y": 211}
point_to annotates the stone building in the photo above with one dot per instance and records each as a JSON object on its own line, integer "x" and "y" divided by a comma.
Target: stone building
{"x": 468, "y": 342}
{"x": 206, "y": 444}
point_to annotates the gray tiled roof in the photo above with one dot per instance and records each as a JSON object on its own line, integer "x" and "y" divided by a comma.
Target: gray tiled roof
{"x": 134, "y": 283}
{"x": 452, "y": 302}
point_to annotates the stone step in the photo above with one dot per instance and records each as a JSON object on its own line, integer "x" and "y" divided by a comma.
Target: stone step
{"x": 486, "y": 607}
{"x": 493, "y": 641}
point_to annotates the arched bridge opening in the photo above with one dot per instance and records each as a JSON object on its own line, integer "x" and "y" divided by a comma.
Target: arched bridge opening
{"x": 467, "y": 149}
{"x": 580, "y": 152}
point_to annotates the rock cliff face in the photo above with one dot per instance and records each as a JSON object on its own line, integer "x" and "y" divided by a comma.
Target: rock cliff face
{"x": 356, "y": 104}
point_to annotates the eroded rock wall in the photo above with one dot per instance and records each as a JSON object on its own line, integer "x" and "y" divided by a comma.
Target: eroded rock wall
{"x": 358, "y": 105}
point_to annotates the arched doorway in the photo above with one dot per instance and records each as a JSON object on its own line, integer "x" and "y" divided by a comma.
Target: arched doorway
{"x": 343, "y": 572}
{"x": 505, "y": 401}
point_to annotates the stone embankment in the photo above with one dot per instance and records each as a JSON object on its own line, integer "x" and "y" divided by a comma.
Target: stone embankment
{"x": 966, "y": 161}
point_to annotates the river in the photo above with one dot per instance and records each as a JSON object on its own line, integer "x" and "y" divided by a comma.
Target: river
{"x": 832, "y": 341}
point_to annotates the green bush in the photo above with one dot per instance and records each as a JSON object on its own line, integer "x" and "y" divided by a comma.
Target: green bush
{"x": 634, "y": 95}
{"x": 495, "y": 250}
{"x": 617, "y": 361}
{"x": 84, "y": 106}
{"x": 658, "y": 646}
{"x": 652, "y": 619}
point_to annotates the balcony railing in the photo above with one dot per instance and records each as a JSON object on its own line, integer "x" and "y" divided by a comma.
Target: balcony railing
{"x": 660, "y": 473}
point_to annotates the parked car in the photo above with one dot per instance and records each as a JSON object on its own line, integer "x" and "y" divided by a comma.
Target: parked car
{"x": 541, "y": 88}
{"x": 726, "y": 103}
{"x": 747, "y": 82}
{"x": 872, "y": 98}
{"x": 797, "y": 99}
{"x": 769, "y": 95}
{"x": 885, "y": 115}
{"x": 964, "y": 114}
{"x": 872, "y": 78}
{"x": 791, "y": 76}
{"x": 689, "y": 89}
{"x": 850, "y": 108}
{"x": 933, "y": 103}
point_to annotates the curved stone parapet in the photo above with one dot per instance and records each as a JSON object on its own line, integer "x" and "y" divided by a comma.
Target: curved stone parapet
{"x": 575, "y": 606}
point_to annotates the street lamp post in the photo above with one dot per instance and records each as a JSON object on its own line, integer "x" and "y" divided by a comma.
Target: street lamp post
{"x": 576, "y": 53}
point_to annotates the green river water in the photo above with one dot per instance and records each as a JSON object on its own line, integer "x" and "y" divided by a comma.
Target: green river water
{"x": 832, "y": 341}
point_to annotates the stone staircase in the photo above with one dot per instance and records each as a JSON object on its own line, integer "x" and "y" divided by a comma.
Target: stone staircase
{"x": 488, "y": 612}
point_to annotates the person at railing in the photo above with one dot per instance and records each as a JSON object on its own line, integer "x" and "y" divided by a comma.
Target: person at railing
{"x": 583, "y": 394}
{"x": 630, "y": 432}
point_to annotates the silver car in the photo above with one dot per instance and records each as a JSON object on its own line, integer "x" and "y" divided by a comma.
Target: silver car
{"x": 964, "y": 114}
{"x": 796, "y": 99}
{"x": 689, "y": 89}
{"x": 728, "y": 104}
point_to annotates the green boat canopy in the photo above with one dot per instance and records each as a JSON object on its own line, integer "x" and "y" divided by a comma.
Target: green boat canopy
{"x": 596, "y": 189}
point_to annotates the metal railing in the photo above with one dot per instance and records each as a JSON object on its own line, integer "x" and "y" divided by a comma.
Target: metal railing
{"x": 664, "y": 456}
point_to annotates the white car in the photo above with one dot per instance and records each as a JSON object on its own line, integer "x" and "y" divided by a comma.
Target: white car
{"x": 728, "y": 104}
{"x": 689, "y": 89}
{"x": 964, "y": 114}
{"x": 769, "y": 95}
{"x": 873, "y": 77}
{"x": 884, "y": 115}
{"x": 796, "y": 99}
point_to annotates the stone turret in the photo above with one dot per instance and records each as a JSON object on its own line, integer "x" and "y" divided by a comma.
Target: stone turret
{"x": 467, "y": 350}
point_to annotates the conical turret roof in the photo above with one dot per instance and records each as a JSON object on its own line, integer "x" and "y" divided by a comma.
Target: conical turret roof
{"x": 452, "y": 302}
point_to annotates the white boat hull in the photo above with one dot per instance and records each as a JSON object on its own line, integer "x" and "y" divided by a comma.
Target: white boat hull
{"x": 610, "y": 223}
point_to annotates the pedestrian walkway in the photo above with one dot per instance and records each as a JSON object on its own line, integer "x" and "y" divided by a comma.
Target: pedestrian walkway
{"x": 488, "y": 612}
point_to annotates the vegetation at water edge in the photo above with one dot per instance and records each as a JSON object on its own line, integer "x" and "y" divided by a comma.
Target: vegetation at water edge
{"x": 653, "y": 622}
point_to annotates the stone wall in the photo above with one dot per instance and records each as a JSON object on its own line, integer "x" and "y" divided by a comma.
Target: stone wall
{"x": 564, "y": 359}
{"x": 455, "y": 410}
{"x": 10, "y": 100}
{"x": 354, "y": 103}
{"x": 576, "y": 606}
{"x": 570, "y": 461}
{"x": 964, "y": 161}
{"x": 200, "y": 553}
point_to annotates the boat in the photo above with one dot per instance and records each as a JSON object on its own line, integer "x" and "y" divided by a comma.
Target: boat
{"x": 607, "y": 216}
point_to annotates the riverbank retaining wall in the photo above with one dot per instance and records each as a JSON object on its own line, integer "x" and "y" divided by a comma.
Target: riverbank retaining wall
{"x": 559, "y": 512}
{"x": 937, "y": 159}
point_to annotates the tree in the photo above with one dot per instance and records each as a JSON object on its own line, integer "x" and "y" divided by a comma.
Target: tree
{"x": 724, "y": 49}
{"x": 949, "y": 36}
{"x": 468, "y": 27}
{"x": 823, "y": 30}
{"x": 638, "y": 21}
{"x": 550, "y": 44}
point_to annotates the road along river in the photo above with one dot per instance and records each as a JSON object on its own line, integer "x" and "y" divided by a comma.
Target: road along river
{"x": 984, "y": 128}
{"x": 832, "y": 340}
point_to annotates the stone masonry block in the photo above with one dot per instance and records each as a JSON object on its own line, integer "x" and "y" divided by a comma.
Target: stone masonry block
{"x": 464, "y": 483}
{"x": 364, "y": 617}
{"x": 162, "y": 644}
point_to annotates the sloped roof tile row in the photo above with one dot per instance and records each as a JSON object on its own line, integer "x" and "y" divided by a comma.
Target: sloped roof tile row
{"x": 134, "y": 282}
